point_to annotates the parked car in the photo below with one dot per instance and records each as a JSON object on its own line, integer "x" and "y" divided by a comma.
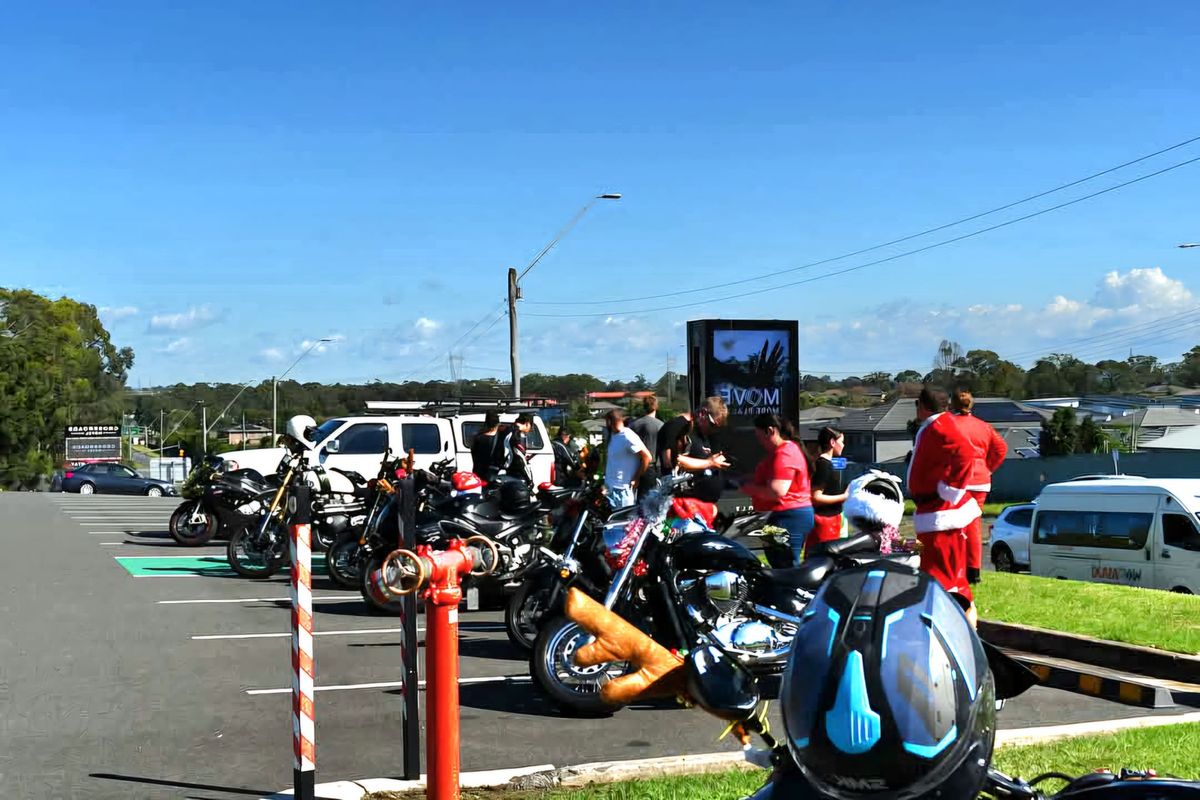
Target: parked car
{"x": 1010, "y": 538}
{"x": 113, "y": 479}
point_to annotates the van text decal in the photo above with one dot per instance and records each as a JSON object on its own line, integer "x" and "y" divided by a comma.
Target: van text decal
{"x": 1114, "y": 574}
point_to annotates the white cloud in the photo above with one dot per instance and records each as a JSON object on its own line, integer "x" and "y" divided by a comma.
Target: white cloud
{"x": 902, "y": 333}
{"x": 194, "y": 317}
{"x": 319, "y": 347}
{"x": 427, "y": 328}
{"x": 110, "y": 314}
{"x": 176, "y": 345}
{"x": 271, "y": 354}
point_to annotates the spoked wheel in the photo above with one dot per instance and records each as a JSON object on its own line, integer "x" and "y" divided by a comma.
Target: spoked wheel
{"x": 344, "y": 560}
{"x": 192, "y": 525}
{"x": 526, "y": 609}
{"x": 574, "y": 689}
{"x": 252, "y": 554}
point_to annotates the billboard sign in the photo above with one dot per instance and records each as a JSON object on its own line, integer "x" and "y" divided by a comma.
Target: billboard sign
{"x": 93, "y": 448}
{"x": 91, "y": 431}
{"x": 753, "y": 366}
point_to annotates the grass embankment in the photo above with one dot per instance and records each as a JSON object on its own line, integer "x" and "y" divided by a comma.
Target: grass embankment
{"x": 1169, "y": 749}
{"x": 1146, "y": 617}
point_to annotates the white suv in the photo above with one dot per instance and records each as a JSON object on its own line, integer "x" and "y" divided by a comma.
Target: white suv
{"x": 1010, "y": 538}
{"x": 358, "y": 443}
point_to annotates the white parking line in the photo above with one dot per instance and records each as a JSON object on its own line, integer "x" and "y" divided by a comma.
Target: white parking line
{"x": 260, "y": 600}
{"x": 396, "y": 684}
{"x": 285, "y": 634}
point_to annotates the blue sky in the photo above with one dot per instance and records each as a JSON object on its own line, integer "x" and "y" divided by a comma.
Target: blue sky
{"x": 228, "y": 181}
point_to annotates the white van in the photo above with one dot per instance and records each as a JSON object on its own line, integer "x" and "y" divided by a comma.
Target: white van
{"x": 358, "y": 443}
{"x": 1132, "y": 531}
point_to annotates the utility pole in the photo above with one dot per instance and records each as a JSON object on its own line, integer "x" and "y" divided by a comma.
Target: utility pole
{"x": 274, "y": 407}
{"x": 514, "y": 294}
{"x": 161, "y": 428}
{"x": 203, "y": 430}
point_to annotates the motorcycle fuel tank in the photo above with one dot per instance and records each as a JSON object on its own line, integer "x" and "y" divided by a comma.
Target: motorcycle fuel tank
{"x": 710, "y": 551}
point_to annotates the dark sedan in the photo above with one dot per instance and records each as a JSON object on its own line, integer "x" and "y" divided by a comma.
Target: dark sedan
{"x": 112, "y": 479}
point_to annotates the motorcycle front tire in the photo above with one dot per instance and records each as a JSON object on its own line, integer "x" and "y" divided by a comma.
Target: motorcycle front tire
{"x": 191, "y": 534}
{"x": 527, "y": 608}
{"x": 345, "y": 547}
{"x": 569, "y": 701}
{"x": 233, "y": 552}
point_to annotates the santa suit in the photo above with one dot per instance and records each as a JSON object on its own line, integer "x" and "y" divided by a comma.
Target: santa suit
{"x": 938, "y": 474}
{"x": 990, "y": 451}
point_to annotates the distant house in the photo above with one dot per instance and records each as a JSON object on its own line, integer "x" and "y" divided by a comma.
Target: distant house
{"x": 882, "y": 433}
{"x": 598, "y": 408}
{"x": 248, "y": 434}
{"x": 1183, "y": 439}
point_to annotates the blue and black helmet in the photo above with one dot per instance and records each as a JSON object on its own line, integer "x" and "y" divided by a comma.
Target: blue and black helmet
{"x": 888, "y": 694}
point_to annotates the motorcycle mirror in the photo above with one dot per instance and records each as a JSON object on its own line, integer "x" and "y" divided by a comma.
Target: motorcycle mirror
{"x": 1012, "y": 677}
{"x": 720, "y": 685}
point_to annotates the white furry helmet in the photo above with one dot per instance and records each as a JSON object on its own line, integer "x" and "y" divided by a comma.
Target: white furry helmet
{"x": 298, "y": 428}
{"x": 875, "y": 501}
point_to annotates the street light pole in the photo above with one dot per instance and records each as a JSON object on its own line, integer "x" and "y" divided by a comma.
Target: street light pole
{"x": 275, "y": 386}
{"x": 514, "y": 288}
{"x": 1190, "y": 244}
{"x": 203, "y": 430}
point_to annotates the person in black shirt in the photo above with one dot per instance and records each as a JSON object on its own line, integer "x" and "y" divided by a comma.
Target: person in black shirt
{"x": 827, "y": 493}
{"x": 482, "y": 447}
{"x": 566, "y": 458}
{"x": 510, "y": 455}
{"x": 647, "y": 427}
{"x": 684, "y": 443}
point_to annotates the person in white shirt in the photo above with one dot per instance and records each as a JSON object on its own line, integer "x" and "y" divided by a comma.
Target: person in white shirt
{"x": 627, "y": 459}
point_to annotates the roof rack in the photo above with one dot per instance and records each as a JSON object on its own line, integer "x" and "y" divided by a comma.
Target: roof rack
{"x": 453, "y": 406}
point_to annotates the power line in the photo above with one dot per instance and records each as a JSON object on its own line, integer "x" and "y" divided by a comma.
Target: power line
{"x": 1116, "y": 332}
{"x": 901, "y": 240}
{"x": 450, "y": 349}
{"x": 905, "y": 254}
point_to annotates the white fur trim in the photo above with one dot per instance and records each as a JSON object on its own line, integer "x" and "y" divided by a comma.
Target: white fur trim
{"x": 868, "y": 511}
{"x": 980, "y": 487}
{"x": 950, "y": 494}
{"x": 947, "y": 519}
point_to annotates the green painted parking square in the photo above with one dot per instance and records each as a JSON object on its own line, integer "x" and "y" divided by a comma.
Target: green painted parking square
{"x": 190, "y": 566}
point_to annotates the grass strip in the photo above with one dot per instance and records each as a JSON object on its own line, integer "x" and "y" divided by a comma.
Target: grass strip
{"x": 1146, "y": 617}
{"x": 1169, "y": 749}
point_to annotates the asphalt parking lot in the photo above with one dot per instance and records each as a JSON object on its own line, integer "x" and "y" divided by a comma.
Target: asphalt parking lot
{"x": 136, "y": 668}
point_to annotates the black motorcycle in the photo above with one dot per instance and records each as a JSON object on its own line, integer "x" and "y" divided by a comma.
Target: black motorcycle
{"x": 259, "y": 548}
{"x": 350, "y": 552}
{"x": 678, "y": 580}
{"x": 217, "y": 501}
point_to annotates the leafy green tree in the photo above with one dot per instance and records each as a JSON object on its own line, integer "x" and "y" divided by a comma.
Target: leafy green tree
{"x": 58, "y": 366}
{"x": 1059, "y": 433}
{"x": 1188, "y": 373}
{"x": 1091, "y": 438}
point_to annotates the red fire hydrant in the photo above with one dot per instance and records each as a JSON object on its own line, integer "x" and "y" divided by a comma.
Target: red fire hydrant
{"x": 438, "y": 573}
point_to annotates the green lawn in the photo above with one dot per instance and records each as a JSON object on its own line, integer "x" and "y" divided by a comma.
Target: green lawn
{"x": 1169, "y": 749}
{"x": 1146, "y": 617}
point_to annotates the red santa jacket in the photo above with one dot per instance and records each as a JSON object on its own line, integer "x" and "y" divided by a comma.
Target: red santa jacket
{"x": 989, "y": 449}
{"x": 938, "y": 474}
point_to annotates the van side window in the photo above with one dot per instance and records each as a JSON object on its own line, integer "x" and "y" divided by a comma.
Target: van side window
{"x": 1180, "y": 531}
{"x": 421, "y": 437}
{"x": 1119, "y": 530}
{"x": 364, "y": 439}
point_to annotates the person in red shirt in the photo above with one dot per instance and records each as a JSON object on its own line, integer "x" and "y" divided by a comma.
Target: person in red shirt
{"x": 990, "y": 451}
{"x": 781, "y": 483}
{"x": 938, "y": 473}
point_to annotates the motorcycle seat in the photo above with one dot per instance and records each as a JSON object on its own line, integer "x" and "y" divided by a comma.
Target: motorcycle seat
{"x": 807, "y": 575}
{"x": 861, "y": 543}
{"x": 356, "y": 478}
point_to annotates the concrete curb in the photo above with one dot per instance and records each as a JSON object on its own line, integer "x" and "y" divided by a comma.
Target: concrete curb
{"x": 1145, "y": 661}
{"x": 546, "y": 776}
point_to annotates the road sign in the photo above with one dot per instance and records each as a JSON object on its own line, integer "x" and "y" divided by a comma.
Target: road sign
{"x": 91, "y": 431}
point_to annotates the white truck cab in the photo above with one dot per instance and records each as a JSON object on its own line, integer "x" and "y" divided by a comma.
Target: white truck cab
{"x": 1133, "y": 531}
{"x": 358, "y": 443}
